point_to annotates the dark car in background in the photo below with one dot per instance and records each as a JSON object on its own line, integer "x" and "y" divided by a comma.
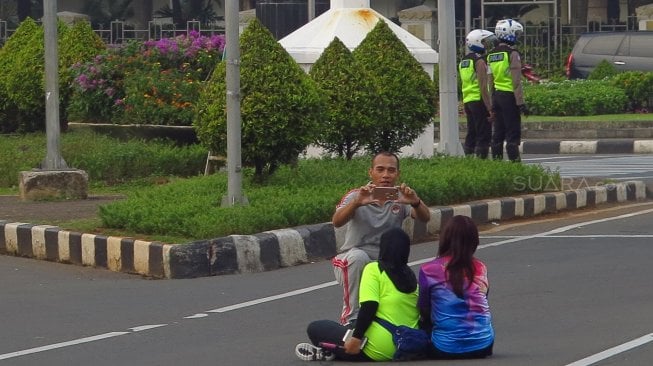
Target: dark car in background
{"x": 627, "y": 51}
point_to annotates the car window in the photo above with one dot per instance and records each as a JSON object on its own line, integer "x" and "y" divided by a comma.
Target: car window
{"x": 641, "y": 46}
{"x": 606, "y": 45}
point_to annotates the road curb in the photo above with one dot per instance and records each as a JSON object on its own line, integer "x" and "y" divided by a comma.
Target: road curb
{"x": 277, "y": 248}
{"x": 603, "y": 146}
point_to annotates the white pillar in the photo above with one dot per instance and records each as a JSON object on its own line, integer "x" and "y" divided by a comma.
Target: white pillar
{"x": 449, "y": 137}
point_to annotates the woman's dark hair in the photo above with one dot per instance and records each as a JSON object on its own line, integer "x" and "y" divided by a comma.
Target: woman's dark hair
{"x": 393, "y": 259}
{"x": 459, "y": 239}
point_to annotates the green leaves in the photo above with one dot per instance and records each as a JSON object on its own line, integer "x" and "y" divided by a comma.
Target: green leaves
{"x": 280, "y": 106}
{"x": 308, "y": 193}
{"x": 22, "y": 60}
{"x": 350, "y": 101}
{"x": 575, "y": 98}
{"x": 405, "y": 94}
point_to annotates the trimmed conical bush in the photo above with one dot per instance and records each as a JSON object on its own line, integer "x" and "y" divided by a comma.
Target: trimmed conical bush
{"x": 280, "y": 106}
{"x": 350, "y": 101}
{"x": 405, "y": 91}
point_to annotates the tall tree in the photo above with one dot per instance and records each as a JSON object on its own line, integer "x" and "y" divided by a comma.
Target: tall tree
{"x": 23, "y": 8}
{"x": 247, "y": 4}
{"x": 186, "y": 10}
{"x": 176, "y": 13}
{"x": 143, "y": 11}
{"x": 103, "y": 12}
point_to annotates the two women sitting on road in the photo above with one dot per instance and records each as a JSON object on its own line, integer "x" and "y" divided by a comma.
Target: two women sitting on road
{"x": 449, "y": 301}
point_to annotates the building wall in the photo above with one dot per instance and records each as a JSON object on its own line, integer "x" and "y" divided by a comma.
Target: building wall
{"x": 388, "y": 8}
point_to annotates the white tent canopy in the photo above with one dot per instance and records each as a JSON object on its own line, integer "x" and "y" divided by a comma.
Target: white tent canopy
{"x": 350, "y": 21}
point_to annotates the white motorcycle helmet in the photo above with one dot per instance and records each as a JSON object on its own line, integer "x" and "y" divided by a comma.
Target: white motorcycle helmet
{"x": 507, "y": 30}
{"x": 479, "y": 40}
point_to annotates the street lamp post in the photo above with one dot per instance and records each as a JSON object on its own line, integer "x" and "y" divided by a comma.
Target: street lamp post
{"x": 449, "y": 137}
{"x": 54, "y": 179}
{"x": 234, "y": 162}
{"x": 53, "y": 159}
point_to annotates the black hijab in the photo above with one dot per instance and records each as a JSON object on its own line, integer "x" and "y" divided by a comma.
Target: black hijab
{"x": 393, "y": 259}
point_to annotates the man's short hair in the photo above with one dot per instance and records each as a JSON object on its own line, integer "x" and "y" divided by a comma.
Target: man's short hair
{"x": 386, "y": 153}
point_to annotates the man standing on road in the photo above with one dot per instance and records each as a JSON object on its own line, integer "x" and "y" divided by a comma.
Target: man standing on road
{"x": 476, "y": 93}
{"x": 367, "y": 215}
{"x": 508, "y": 97}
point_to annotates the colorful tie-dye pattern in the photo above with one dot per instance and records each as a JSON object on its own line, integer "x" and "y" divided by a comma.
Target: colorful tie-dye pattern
{"x": 459, "y": 325}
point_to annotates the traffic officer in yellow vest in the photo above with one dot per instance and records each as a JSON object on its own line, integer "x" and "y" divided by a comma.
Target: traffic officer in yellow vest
{"x": 504, "y": 63}
{"x": 476, "y": 93}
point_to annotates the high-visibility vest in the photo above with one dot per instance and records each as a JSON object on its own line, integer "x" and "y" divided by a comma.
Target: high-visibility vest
{"x": 499, "y": 62}
{"x": 470, "y": 86}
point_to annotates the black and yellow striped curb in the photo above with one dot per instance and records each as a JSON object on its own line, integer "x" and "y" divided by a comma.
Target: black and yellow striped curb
{"x": 277, "y": 248}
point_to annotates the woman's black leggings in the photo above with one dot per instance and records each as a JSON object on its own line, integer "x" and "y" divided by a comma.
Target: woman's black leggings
{"x": 328, "y": 331}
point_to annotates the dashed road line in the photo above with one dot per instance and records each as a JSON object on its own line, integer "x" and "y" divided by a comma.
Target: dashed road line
{"x": 613, "y": 351}
{"x": 550, "y": 233}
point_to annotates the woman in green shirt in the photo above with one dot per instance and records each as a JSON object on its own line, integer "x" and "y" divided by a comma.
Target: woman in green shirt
{"x": 388, "y": 291}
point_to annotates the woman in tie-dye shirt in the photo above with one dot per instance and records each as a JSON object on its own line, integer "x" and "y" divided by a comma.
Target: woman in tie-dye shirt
{"x": 453, "y": 292}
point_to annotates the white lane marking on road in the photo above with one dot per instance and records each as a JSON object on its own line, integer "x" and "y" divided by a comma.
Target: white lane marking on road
{"x": 314, "y": 288}
{"x": 421, "y": 261}
{"x": 564, "y": 228}
{"x": 196, "y": 316}
{"x": 572, "y": 236}
{"x": 61, "y": 345}
{"x": 556, "y": 158}
{"x": 147, "y": 327}
{"x": 272, "y": 298}
{"x": 75, "y": 342}
{"x": 613, "y": 351}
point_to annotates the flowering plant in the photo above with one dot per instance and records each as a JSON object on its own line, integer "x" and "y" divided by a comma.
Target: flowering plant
{"x": 97, "y": 89}
{"x": 152, "y": 82}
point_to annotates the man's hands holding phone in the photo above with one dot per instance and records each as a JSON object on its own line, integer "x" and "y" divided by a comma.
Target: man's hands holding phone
{"x": 385, "y": 193}
{"x": 378, "y": 194}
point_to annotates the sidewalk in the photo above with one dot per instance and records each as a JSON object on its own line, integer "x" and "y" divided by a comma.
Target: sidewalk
{"x": 48, "y": 212}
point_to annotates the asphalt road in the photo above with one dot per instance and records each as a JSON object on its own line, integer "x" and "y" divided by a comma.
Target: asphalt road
{"x": 563, "y": 289}
{"x": 614, "y": 167}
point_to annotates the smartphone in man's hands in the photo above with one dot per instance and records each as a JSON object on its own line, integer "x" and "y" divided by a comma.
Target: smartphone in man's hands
{"x": 385, "y": 193}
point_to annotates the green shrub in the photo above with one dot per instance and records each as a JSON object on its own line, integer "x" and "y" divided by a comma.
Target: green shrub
{"x": 350, "y": 101}
{"x": 106, "y": 160}
{"x": 405, "y": 93}
{"x": 575, "y": 98}
{"x": 166, "y": 99}
{"x": 603, "y": 70}
{"x": 78, "y": 44}
{"x": 308, "y": 193}
{"x": 22, "y": 60}
{"x": 21, "y": 79}
{"x": 97, "y": 90}
{"x": 280, "y": 106}
{"x": 637, "y": 85}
